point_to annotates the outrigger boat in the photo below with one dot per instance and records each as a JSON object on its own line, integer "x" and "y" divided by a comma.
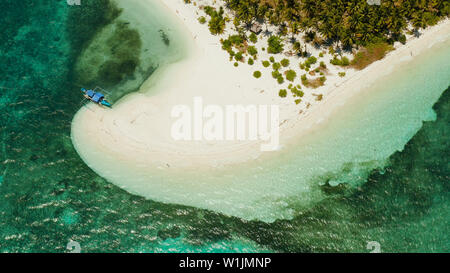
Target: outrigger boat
{"x": 95, "y": 97}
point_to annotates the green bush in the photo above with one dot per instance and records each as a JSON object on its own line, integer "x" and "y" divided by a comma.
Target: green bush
{"x": 290, "y": 75}
{"x": 280, "y": 79}
{"x": 257, "y": 74}
{"x": 211, "y": 11}
{"x": 238, "y": 56}
{"x": 297, "y": 101}
{"x": 297, "y": 92}
{"x": 252, "y": 50}
{"x": 226, "y": 44}
{"x": 321, "y": 54}
{"x": 272, "y": 59}
{"x": 276, "y": 74}
{"x": 250, "y": 61}
{"x": 304, "y": 79}
{"x": 341, "y": 74}
{"x": 253, "y": 38}
{"x": 282, "y": 93}
{"x": 335, "y": 61}
{"x": 402, "y": 39}
{"x": 216, "y": 25}
{"x": 284, "y": 62}
{"x": 345, "y": 61}
{"x": 323, "y": 65}
{"x": 302, "y": 66}
{"x": 431, "y": 18}
{"x": 235, "y": 64}
{"x": 202, "y": 20}
{"x": 265, "y": 63}
{"x": 276, "y": 66}
{"x": 236, "y": 39}
{"x": 311, "y": 60}
{"x": 275, "y": 45}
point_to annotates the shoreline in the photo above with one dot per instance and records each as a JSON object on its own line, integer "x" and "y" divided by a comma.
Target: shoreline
{"x": 242, "y": 89}
{"x": 395, "y": 60}
{"x": 130, "y": 145}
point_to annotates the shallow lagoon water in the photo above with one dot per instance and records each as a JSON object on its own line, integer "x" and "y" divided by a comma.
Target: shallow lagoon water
{"x": 49, "y": 196}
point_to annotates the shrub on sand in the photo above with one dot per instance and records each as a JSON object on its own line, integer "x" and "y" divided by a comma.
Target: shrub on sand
{"x": 280, "y": 79}
{"x": 252, "y": 50}
{"x": 202, "y": 20}
{"x": 284, "y": 62}
{"x": 276, "y": 66}
{"x": 253, "y": 38}
{"x": 275, "y": 45}
{"x": 290, "y": 75}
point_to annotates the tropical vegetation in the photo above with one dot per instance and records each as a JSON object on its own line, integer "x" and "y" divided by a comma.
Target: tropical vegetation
{"x": 347, "y": 22}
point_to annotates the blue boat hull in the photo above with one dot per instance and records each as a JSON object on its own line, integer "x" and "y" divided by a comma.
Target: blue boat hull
{"x": 106, "y": 103}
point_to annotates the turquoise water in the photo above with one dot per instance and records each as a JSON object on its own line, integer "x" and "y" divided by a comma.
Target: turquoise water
{"x": 48, "y": 196}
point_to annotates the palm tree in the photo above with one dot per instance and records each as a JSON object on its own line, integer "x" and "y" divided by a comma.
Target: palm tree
{"x": 352, "y": 22}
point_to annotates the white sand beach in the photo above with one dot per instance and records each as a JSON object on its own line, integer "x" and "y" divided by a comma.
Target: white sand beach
{"x": 136, "y": 132}
{"x": 139, "y": 126}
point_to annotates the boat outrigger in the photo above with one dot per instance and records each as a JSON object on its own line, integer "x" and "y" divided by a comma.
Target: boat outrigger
{"x": 95, "y": 97}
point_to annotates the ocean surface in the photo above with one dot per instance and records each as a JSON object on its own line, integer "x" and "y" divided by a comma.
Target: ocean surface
{"x": 48, "y": 196}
